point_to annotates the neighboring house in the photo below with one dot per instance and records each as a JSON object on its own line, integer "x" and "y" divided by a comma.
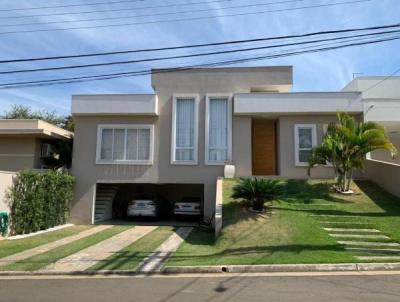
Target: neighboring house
{"x": 177, "y": 141}
{"x": 24, "y": 143}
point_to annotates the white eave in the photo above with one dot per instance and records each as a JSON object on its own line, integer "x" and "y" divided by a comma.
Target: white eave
{"x": 297, "y": 103}
{"x": 114, "y": 104}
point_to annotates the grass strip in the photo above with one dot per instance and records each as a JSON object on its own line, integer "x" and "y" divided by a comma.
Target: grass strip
{"x": 42, "y": 260}
{"x": 293, "y": 231}
{"x": 10, "y": 247}
{"x": 130, "y": 257}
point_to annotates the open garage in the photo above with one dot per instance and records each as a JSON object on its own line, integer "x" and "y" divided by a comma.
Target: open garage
{"x": 121, "y": 202}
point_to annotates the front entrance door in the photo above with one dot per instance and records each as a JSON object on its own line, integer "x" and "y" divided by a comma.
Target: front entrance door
{"x": 264, "y": 147}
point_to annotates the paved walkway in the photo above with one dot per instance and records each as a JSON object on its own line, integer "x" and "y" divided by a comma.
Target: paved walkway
{"x": 156, "y": 261}
{"x": 90, "y": 256}
{"x": 367, "y": 243}
{"x": 51, "y": 245}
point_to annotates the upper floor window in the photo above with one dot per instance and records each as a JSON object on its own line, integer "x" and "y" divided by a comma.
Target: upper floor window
{"x": 125, "y": 144}
{"x": 218, "y": 129}
{"x": 305, "y": 137}
{"x": 184, "y": 129}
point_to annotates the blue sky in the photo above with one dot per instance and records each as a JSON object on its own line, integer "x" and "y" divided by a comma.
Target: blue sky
{"x": 319, "y": 71}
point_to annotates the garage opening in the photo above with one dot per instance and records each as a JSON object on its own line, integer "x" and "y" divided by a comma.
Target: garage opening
{"x": 159, "y": 204}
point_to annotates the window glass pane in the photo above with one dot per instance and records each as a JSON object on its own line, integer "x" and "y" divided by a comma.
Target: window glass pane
{"x": 218, "y": 129}
{"x": 218, "y": 154}
{"x": 106, "y": 144}
{"x": 143, "y": 144}
{"x": 185, "y": 119}
{"x": 305, "y": 138}
{"x": 131, "y": 144}
{"x": 119, "y": 144}
{"x": 184, "y": 154}
{"x": 304, "y": 155}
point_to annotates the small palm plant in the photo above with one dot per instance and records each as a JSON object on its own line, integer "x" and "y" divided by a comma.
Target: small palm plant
{"x": 257, "y": 191}
{"x": 345, "y": 147}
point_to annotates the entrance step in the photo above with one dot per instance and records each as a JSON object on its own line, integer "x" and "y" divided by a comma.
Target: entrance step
{"x": 363, "y": 236}
{"x": 373, "y": 250}
{"x": 374, "y": 258}
{"x": 352, "y": 230}
{"x": 369, "y": 243}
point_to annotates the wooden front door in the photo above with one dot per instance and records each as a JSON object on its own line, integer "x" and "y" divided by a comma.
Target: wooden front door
{"x": 264, "y": 147}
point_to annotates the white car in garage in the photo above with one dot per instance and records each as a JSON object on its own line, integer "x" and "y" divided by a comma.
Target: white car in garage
{"x": 188, "y": 206}
{"x": 144, "y": 206}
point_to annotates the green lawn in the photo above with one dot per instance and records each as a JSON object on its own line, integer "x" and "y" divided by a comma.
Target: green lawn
{"x": 130, "y": 257}
{"x": 42, "y": 260}
{"x": 9, "y": 247}
{"x": 290, "y": 233}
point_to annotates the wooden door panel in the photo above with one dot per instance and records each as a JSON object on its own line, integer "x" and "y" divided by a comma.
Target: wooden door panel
{"x": 264, "y": 147}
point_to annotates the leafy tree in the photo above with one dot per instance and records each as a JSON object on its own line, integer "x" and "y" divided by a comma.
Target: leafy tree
{"x": 345, "y": 146}
{"x": 257, "y": 190}
{"x": 25, "y": 112}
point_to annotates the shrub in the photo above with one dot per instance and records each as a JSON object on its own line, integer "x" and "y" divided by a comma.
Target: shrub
{"x": 39, "y": 200}
{"x": 3, "y": 223}
{"x": 257, "y": 191}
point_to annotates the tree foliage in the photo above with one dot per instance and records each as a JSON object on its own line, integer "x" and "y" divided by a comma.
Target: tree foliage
{"x": 345, "y": 146}
{"x": 25, "y": 112}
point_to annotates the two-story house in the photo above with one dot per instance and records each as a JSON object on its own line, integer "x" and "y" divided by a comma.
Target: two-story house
{"x": 177, "y": 141}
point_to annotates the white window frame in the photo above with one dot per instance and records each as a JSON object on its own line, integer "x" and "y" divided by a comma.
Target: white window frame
{"x": 207, "y": 160}
{"x": 196, "y": 98}
{"x": 127, "y": 127}
{"x": 313, "y": 128}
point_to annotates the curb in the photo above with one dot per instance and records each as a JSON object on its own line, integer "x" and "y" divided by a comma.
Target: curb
{"x": 223, "y": 269}
{"x": 283, "y": 268}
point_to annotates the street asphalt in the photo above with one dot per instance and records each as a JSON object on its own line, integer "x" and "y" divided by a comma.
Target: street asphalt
{"x": 215, "y": 288}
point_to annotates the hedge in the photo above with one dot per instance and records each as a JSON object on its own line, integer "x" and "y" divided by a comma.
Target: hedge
{"x": 39, "y": 200}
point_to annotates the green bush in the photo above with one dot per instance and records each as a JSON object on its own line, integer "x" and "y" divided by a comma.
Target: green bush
{"x": 257, "y": 191}
{"x": 3, "y": 223}
{"x": 39, "y": 200}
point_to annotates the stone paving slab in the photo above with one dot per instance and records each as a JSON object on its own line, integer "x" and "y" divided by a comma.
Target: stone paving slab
{"x": 374, "y": 258}
{"x": 343, "y": 222}
{"x": 363, "y": 236}
{"x": 352, "y": 230}
{"x": 156, "y": 261}
{"x": 88, "y": 257}
{"x": 369, "y": 243}
{"x": 51, "y": 245}
{"x": 373, "y": 250}
{"x": 332, "y": 215}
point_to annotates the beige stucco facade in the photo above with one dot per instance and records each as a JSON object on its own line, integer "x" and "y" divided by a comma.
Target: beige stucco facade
{"x": 200, "y": 82}
{"x": 252, "y": 90}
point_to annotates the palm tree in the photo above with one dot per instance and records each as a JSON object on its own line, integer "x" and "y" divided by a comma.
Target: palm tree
{"x": 345, "y": 147}
{"x": 257, "y": 190}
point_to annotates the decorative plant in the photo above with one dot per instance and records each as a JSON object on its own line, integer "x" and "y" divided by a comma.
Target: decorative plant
{"x": 345, "y": 146}
{"x": 3, "y": 223}
{"x": 257, "y": 191}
